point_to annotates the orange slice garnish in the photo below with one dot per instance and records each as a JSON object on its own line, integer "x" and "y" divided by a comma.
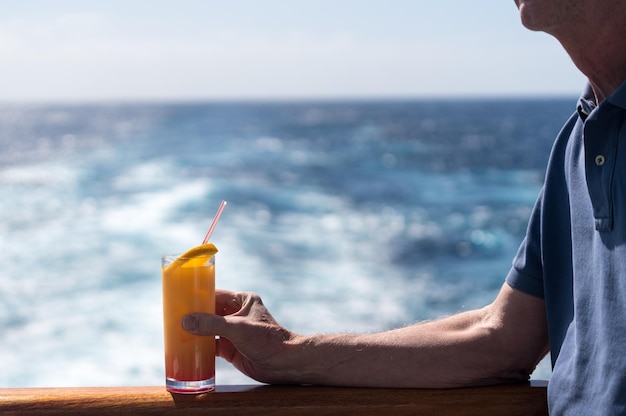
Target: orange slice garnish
{"x": 194, "y": 257}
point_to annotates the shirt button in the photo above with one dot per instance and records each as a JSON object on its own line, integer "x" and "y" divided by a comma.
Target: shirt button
{"x": 600, "y": 159}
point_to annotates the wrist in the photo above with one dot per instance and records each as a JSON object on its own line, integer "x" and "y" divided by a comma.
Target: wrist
{"x": 318, "y": 359}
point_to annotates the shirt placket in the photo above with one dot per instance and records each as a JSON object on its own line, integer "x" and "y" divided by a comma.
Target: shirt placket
{"x": 600, "y": 138}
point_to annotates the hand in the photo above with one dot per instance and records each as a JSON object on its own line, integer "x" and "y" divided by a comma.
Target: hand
{"x": 250, "y": 338}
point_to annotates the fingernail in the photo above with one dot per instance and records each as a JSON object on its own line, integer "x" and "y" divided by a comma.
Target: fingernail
{"x": 190, "y": 323}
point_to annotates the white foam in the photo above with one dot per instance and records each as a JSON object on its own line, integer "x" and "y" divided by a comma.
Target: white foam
{"x": 38, "y": 174}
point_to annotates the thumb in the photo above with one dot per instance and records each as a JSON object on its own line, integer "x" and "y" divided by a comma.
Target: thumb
{"x": 202, "y": 323}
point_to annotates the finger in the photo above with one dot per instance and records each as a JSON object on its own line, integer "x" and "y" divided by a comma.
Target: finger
{"x": 225, "y": 349}
{"x": 226, "y": 302}
{"x": 221, "y": 292}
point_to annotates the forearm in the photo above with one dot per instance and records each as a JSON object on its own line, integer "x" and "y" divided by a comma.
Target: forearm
{"x": 455, "y": 351}
{"x": 502, "y": 342}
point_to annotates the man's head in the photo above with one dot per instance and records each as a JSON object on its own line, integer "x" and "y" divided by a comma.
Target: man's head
{"x": 556, "y": 17}
{"x": 592, "y": 32}
{"x": 566, "y": 19}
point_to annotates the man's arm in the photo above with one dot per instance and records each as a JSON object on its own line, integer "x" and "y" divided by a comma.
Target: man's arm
{"x": 501, "y": 342}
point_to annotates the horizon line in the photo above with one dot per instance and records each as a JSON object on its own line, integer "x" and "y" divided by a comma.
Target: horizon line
{"x": 285, "y": 99}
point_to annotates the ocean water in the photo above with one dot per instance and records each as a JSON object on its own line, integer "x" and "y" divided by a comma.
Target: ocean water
{"x": 344, "y": 216}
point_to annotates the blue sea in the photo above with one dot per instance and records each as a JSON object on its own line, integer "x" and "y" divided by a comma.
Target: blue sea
{"x": 343, "y": 215}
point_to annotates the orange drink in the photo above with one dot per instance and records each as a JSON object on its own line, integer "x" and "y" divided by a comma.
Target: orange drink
{"x": 188, "y": 286}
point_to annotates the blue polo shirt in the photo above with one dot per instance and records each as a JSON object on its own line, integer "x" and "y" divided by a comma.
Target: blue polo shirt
{"x": 574, "y": 257}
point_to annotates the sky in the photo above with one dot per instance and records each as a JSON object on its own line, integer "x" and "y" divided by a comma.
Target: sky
{"x": 158, "y": 50}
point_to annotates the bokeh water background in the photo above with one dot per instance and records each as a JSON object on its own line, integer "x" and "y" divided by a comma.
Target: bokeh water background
{"x": 344, "y": 216}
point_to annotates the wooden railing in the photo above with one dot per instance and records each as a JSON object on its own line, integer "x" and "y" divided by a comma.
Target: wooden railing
{"x": 505, "y": 400}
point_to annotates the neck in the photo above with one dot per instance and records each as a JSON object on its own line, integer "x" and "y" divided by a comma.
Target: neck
{"x": 604, "y": 68}
{"x": 599, "y": 53}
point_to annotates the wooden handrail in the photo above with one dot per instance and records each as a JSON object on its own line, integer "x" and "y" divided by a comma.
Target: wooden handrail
{"x": 509, "y": 400}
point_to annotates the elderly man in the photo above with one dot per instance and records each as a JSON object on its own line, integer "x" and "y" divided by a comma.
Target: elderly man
{"x": 565, "y": 292}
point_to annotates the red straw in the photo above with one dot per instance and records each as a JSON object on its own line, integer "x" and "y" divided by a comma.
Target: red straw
{"x": 214, "y": 223}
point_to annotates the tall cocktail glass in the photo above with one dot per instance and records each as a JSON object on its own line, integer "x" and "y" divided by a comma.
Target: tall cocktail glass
{"x": 188, "y": 286}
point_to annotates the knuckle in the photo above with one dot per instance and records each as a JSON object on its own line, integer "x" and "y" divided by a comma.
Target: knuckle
{"x": 253, "y": 298}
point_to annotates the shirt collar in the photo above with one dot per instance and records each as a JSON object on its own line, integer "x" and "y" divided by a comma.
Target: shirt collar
{"x": 618, "y": 98}
{"x": 587, "y": 101}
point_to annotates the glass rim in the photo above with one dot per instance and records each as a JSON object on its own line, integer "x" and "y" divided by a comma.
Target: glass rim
{"x": 167, "y": 259}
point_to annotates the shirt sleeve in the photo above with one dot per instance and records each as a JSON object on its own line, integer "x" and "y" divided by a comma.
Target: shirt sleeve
{"x": 526, "y": 273}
